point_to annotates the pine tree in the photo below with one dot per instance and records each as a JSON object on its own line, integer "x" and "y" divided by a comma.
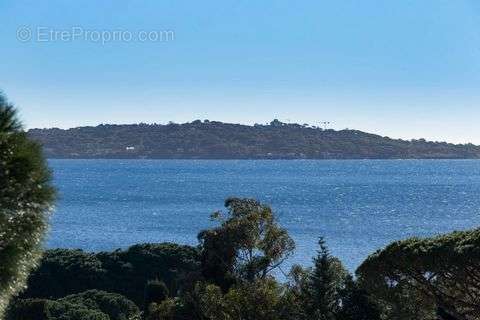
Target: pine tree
{"x": 323, "y": 285}
{"x": 357, "y": 304}
{"x": 26, "y": 196}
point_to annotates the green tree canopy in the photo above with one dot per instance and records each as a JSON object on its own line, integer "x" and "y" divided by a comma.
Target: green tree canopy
{"x": 88, "y": 305}
{"x": 155, "y": 292}
{"x": 321, "y": 291}
{"x": 444, "y": 270}
{"x": 356, "y": 303}
{"x": 247, "y": 245}
{"x": 260, "y": 299}
{"x": 26, "y": 196}
{"x": 122, "y": 271}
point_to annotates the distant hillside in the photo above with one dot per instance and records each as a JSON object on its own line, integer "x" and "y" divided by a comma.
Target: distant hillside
{"x": 217, "y": 140}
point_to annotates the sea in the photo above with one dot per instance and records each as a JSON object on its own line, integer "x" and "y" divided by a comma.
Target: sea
{"x": 358, "y": 206}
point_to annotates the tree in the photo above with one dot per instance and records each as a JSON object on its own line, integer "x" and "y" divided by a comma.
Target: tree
{"x": 211, "y": 303}
{"x": 327, "y": 291}
{"x": 155, "y": 292}
{"x": 122, "y": 271}
{"x": 247, "y": 245}
{"x": 89, "y": 305}
{"x": 42, "y": 309}
{"x": 356, "y": 304}
{"x": 26, "y": 196}
{"x": 116, "y": 306}
{"x": 165, "y": 310}
{"x": 442, "y": 271}
{"x": 53, "y": 278}
{"x": 261, "y": 299}
{"x": 129, "y": 270}
{"x": 322, "y": 288}
{"x": 295, "y": 291}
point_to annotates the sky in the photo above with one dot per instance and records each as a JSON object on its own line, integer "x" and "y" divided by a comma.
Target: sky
{"x": 401, "y": 68}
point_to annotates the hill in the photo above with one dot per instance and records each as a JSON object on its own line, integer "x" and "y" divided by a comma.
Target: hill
{"x": 218, "y": 140}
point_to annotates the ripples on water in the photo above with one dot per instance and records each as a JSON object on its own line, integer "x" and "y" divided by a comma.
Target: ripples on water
{"x": 359, "y": 206}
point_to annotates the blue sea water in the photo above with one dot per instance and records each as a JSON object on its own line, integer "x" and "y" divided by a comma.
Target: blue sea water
{"x": 358, "y": 206}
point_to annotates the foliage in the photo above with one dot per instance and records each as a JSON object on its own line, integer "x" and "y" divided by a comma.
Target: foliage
{"x": 89, "y": 305}
{"x": 270, "y": 300}
{"x": 294, "y": 295}
{"x": 53, "y": 279}
{"x": 322, "y": 291}
{"x": 443, "y": 271}
{"x": 116, "y": 306}
{"x": 41, "y": 309}
{"x": 260, "y": 299}
{"x": 356, "y": 304}
{"x": 129, "y": 270}
{"x": 26, "y": 196}
{"x": 155, "y": 292}
{"x": 248, "y": 245}
{"x": 246, "y": 290}
{"x": 122, "y": 271}
{"x": 326, "y": 291}
{"x": 217, "y": 140}
{"x": 164, "y": 310}
{"x": 229, "y": 277}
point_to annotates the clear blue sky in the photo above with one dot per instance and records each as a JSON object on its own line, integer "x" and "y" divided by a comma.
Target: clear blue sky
{"x": 404, "y": 68}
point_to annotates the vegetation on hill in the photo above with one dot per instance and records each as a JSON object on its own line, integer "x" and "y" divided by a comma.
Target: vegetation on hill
{"x": 25, "y": 198}
{"x": 230, "y": 275}
{"x": 217, "y": 140}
